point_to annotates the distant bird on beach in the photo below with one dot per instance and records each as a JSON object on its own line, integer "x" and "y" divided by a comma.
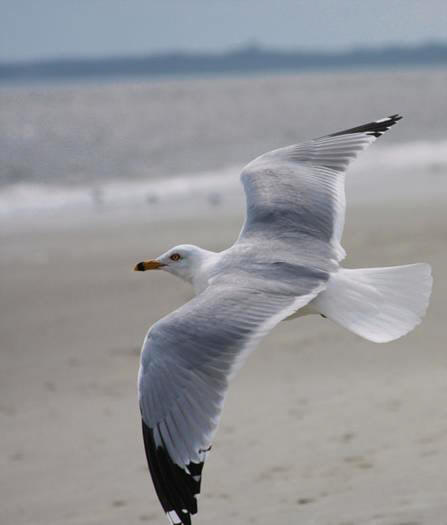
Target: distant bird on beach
{"x": 285, "y": 263}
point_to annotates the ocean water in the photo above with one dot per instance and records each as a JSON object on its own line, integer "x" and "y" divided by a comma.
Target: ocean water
{"x": 123, "y": 144}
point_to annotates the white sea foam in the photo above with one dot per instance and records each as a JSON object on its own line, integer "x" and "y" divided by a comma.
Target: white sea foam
{"x": 409, "y": 169}
{"x": 32, "y": 199}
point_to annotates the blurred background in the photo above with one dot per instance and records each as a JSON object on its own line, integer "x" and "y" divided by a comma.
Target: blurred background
{"x": 123, "y": 129}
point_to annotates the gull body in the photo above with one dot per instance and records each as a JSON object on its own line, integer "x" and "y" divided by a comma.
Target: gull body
{"x": 285, "y": 264}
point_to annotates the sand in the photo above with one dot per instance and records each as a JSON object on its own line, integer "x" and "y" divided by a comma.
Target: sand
{"x": 319, "y": 428}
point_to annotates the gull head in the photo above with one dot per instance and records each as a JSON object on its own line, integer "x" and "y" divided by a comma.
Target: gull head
{"x": 184, "y": 261}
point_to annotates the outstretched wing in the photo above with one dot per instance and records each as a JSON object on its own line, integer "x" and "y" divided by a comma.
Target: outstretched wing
{"x": 187, "y": 360}
{"x": 297, "y": 192}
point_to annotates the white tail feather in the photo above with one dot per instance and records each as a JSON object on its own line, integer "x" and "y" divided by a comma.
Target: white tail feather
{"x": 379, "y": 304}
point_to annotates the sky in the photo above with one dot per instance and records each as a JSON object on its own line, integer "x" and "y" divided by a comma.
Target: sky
{"x": 38, "y": 29}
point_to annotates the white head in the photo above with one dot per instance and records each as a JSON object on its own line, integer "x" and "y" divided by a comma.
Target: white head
{"x": 184, "y": 261}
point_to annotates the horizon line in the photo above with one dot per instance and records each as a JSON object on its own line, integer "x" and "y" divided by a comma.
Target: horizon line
{"x": 251, "y": 46}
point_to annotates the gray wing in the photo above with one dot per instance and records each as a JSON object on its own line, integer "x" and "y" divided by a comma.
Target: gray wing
{"x": 187, "y": 360}
{"x": 297, "y": 193}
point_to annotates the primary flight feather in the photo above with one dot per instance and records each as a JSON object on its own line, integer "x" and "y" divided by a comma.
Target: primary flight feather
{"x": 285, "y": 263}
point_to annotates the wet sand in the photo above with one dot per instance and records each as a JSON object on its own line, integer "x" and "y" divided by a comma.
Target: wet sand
{"x": 320, "y": 427}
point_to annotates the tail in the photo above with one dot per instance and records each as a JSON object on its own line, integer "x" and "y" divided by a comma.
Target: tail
{"x": 379, "y": 304}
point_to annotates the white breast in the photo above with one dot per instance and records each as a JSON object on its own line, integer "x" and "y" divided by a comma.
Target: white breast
{"x": 204, "y": 272}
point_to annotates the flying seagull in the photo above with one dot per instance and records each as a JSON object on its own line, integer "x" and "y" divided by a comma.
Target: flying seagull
{"x": 285, "y": 263}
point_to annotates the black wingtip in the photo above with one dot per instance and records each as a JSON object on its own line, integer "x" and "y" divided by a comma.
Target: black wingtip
{"x": 376, "y": 128}
{"x": 176, "y": 488}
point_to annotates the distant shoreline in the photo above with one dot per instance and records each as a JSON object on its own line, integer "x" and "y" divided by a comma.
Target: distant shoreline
{"x": 250, "y": 59}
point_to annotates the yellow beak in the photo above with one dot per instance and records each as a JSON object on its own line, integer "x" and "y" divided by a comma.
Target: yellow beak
{"x": 152, "y": 264}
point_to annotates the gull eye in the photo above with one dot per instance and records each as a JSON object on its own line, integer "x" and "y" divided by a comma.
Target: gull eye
{"x": 175, "y": 257}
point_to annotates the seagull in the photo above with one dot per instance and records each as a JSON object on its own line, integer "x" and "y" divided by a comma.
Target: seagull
{"x": 284, "y": 264}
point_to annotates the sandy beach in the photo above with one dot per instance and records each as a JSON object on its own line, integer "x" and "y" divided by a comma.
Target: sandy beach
{"x": 320, "y": 427}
